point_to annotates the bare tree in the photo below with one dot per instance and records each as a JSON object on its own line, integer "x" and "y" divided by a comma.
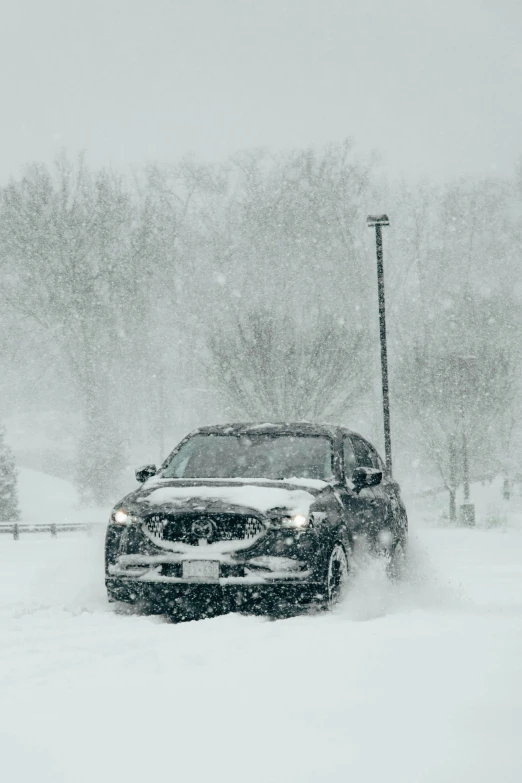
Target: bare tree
{"x": 71, "y": 242}
{"x": 465, "y": 383}
{"x": 289, "y": 286}
{"x": 293, "y": 226}
{"x": 270, "y": 366}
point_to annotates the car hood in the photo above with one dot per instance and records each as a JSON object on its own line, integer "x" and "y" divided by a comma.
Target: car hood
{"x": 293, "y": 496}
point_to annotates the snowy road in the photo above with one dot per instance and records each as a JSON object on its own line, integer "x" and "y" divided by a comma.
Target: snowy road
{"x": 422, "y": 683}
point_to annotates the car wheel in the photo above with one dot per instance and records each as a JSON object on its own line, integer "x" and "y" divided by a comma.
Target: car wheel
{"x": 336, "y": 575}
{"x": 398, "y": 560}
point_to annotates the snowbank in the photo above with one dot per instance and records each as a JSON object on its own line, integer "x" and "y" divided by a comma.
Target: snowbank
{"x": 45, "y": 499}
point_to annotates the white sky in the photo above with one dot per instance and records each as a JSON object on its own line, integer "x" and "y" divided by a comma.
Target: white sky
{"x": 434, "y": 85}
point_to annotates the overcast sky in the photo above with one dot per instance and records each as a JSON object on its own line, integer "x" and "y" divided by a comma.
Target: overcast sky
{"x": 434, "y": 85}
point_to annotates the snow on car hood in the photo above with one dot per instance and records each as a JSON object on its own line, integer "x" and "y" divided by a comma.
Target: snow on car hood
{"x": 258, "y": 497}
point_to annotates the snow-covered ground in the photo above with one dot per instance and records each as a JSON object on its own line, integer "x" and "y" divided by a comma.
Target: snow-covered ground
{"x": 413, "y": 684}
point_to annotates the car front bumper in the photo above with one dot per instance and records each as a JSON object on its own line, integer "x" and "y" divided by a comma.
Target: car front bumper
{"x": 285, "y": 572}
{"x": 232, "y": 594}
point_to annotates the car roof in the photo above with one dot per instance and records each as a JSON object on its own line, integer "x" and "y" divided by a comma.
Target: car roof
{"x": 281, "y": 428}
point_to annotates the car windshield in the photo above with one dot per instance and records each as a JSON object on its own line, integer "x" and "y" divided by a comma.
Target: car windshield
{"x": 252, "y": 456}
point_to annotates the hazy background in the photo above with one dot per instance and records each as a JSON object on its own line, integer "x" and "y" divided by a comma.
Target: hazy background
{"x": 434, "y": 85}
{"x": 208, "y": 258}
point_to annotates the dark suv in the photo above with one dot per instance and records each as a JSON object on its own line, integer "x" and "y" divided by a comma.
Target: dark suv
{"x": 253, "y": 517}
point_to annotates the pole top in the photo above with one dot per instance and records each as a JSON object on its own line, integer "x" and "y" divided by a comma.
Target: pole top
{"x": 377, "y": 220}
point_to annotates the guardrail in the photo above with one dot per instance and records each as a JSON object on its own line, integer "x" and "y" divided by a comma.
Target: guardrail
{"x": 15, "y": 528}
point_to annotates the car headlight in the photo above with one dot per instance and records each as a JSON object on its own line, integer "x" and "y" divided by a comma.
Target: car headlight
{"x": 297, "y": 521}
{"x": 121, "y": 517}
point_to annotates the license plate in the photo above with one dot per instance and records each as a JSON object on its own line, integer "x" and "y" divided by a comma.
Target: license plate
{"x": 206, "y": 570}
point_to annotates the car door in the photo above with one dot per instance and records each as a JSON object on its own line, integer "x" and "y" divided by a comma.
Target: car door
{"x": 360, "y": 509}
{"x": 396, "y": 518}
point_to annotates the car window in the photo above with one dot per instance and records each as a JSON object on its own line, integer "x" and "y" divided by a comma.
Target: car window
{"x": 363, "y": 455}
{"x": 348, "y": 458}
{"x": 376, "y": 459}
{"x": 253, "y": 456}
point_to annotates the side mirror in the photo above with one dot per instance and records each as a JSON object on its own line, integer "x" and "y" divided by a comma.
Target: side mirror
{"x": 365, "y": 477}
{"x": 145, "y": 472}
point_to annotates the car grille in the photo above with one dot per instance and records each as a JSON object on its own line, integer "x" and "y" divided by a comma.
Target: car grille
{"x": 192, "y": 528}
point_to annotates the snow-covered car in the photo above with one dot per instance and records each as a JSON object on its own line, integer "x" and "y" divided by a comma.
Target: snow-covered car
{"x": 253, "y": 517}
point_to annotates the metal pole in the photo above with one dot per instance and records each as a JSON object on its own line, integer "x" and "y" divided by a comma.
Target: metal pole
{"x": 384, "y": 350}
{"x": 161, "y": 412}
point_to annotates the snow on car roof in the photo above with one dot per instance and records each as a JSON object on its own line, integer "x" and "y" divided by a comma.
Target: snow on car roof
{"x": 268, "y": 428}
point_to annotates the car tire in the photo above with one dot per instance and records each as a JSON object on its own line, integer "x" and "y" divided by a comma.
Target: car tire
{"x": 397, "y": 564}
{"x": 336, "y": 575}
